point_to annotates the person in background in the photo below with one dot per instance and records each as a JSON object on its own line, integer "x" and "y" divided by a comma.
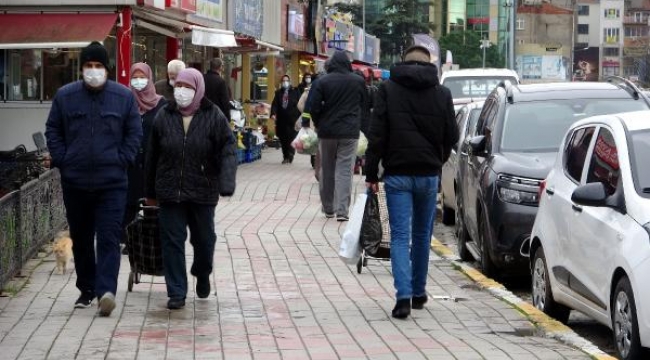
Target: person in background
{"x": 335, "y": 106}
{"x": 412, "y": 142}
{"x": 165, "y": 87}
{"x": 306, "y": 81}
{"x": 93, "y": 134}
{"x": 302, "y": 105}
{"x": 190, "y": 163}
{"x": 284, "y": 110}
{"x": 149, "y": 102}
{"x": 216, "y": 89}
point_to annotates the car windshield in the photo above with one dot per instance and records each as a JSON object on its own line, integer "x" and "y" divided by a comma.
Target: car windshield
{"x": 474, "y": 86}
{"x": 640, "y": 145}
{"x": 538, "y": 126}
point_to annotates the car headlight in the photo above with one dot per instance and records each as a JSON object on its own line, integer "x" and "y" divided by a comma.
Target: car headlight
{"x": 517, "y": 190}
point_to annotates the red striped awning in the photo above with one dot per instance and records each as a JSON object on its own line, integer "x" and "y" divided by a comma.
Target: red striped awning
{"x": 39, "y": 31}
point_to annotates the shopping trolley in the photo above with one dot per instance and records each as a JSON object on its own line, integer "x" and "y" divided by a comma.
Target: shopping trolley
{"x": 143, "y": 244}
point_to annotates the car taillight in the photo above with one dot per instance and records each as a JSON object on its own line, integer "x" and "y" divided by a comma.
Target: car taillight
{"x": 542, "y": 187}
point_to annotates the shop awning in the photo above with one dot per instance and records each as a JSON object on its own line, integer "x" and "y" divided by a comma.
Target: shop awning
{"x": 213, "y": 37}
{"x": 41, "y": 31}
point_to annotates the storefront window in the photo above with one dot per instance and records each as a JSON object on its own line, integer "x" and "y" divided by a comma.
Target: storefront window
{"x": 59, "y": 68}
{"x": 23, "y": 74}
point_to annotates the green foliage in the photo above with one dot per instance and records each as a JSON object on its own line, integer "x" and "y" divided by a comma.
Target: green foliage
{"x": 465, "y": 48}
{"x": 401, "y": 19}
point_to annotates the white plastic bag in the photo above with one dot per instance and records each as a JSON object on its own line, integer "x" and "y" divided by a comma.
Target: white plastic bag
{"x": 350, "y": 249}
{"x": 362, "y": 145}
{"x": 306, "y": 142}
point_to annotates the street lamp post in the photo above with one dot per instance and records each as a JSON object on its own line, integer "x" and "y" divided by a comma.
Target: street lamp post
{"x": 484, "y": 45}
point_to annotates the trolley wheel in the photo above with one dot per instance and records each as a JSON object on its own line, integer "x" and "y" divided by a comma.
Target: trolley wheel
{"x": 360, "y": 264}
{"x": 130, "y": 286}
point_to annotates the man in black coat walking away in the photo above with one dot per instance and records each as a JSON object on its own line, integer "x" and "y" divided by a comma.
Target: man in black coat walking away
{"x": 216, "y": 89}
{"x": 412, "y": 130}
{"x": 335, "y": 106}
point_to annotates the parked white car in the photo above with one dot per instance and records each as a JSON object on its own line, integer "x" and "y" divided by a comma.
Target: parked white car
{"x": 466, "y": 119}
{"x": 590, "y": 245}
{"x": 470, "y": 85}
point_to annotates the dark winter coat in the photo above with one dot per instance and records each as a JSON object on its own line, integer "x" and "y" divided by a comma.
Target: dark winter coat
{"x": 413, "y": 126}
{"x": 136, "y": 172}
{"x": 216, "y": 91}
{"x": 163, "y": 88}
{"x": 336, "y": 100}
{"x": 285, "y": 118}
{"x": 93, "y": 136}
{"x": 196, "y": 167}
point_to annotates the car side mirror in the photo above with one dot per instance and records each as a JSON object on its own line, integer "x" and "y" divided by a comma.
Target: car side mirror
{"x": 477, "y": 144}
{"x": 592, "y": 194}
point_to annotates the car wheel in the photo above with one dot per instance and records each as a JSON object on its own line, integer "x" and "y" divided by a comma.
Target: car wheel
{"x": 487, "y": 266}
{"x": 624, "y": 322}
{"x": 462, "y": 236}
{"x": 541, "y": 290}
{"x": 448, "y": 214}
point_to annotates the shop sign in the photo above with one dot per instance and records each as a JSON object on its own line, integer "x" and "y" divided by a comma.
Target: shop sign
{"x": 296, "y": 23}
{"x": 585, "y": 64}
{"x": 481, "y": 20}
{"x": 249, "y": 18}
{"x": 158, "y": 4}
{"x": 184, "y": 5}
{"x": 210, "y": 9}
{"x": 611, "y": 63}
{"x": 371, "y": 53}
{"x": 337, "y": 34}
{"x": 357, "y": 54}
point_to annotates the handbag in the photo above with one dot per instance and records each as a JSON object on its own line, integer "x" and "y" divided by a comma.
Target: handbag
{"x": 371, "y": 229}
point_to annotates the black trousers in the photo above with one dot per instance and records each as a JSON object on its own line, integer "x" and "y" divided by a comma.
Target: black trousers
{"x": 286, "y": 134}
{"x": 100, "y": 214}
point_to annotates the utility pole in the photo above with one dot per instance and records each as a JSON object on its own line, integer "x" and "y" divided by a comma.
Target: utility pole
{"x": 485, "y": 43}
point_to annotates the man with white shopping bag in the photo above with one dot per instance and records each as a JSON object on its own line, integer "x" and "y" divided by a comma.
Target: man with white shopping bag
{"x": 417, "y": 114}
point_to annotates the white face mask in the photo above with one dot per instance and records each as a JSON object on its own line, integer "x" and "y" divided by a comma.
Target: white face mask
{"x": 184, "y": 96}
{"x": 307, "y": 80}
{"x": 172, "y": 82}
{"x": 139, "y": 83}
{"x": 286, "y": 84}
{"x": 94, "y": 77}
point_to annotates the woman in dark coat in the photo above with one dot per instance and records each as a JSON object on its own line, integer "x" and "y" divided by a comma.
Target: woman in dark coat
{"x": 284, "y": 110}
{"x": 191, "y": 162}
{"x": 149, "y": 102}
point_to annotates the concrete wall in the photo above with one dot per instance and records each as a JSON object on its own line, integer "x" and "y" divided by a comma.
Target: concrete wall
{"x": 18, "y": 121}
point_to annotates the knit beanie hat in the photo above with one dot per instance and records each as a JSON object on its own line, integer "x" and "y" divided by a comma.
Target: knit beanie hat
{"x": 95, "y": 51}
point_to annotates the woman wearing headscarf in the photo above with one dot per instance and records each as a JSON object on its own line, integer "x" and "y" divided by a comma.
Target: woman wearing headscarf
{"x": 284, "y": 110}
{"x": 149, "y": 102}
{"x": 190, "y": 163}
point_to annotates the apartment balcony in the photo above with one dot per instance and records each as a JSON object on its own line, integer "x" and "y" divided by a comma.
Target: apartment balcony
{"x": 635, "y": 20}
{"x": 636, "y": 41}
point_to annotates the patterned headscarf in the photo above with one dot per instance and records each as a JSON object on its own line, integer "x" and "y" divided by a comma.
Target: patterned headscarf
{"x": 194, "y": 79}
{"x": 147, "y": 98}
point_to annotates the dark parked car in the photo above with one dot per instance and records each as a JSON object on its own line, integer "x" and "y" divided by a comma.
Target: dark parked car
{"x": 466, "y": 119}
{"x": 502, "y": 164}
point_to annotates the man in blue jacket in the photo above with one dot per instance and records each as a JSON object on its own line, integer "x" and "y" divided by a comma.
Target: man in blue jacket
{"x": 93, "y": 134}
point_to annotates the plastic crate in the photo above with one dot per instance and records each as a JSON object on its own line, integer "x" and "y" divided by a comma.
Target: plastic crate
{"x": 254, "y": 153}
{"x": 241, "y": 156}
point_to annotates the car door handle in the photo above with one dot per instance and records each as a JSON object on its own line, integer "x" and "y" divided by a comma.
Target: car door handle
{"x": 550, "y": 191}
{"x": 576, "y": 208}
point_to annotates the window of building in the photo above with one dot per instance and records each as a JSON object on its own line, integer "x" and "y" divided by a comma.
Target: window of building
{"x": 612, "y": 13}
{"x": 611, "y": 71}
{"x": 581, "y": 45}
{"x": 583, "y": 29}
{"x": 520, "y": 24}
{"x": 583, "y": 10}
{"x": 638, "y": 17}
{"x": 610, "y": 35}
{"x": 635, "y": 31}
{"x": 607, "y": 51}
{"x": 521, "y": 41}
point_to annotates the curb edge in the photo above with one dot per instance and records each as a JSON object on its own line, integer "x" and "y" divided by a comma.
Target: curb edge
{"x": 550, "y": 327}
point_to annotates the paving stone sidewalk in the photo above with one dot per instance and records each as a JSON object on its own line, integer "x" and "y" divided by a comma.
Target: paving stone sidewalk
{"x": 281, "y": 293}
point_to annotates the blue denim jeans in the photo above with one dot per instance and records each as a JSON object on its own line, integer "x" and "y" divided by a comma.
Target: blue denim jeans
{"x": 174, "y": 219}
{"x": 411, "y": 202}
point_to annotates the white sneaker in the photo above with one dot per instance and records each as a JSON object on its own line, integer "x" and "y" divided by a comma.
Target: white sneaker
{"x": 106, "y": 304}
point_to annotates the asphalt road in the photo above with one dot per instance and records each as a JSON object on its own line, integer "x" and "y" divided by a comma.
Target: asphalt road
{"x": 598, "y": 334}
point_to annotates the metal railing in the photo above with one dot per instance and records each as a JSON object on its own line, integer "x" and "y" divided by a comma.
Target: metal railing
{"x": 29, "y": 218}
